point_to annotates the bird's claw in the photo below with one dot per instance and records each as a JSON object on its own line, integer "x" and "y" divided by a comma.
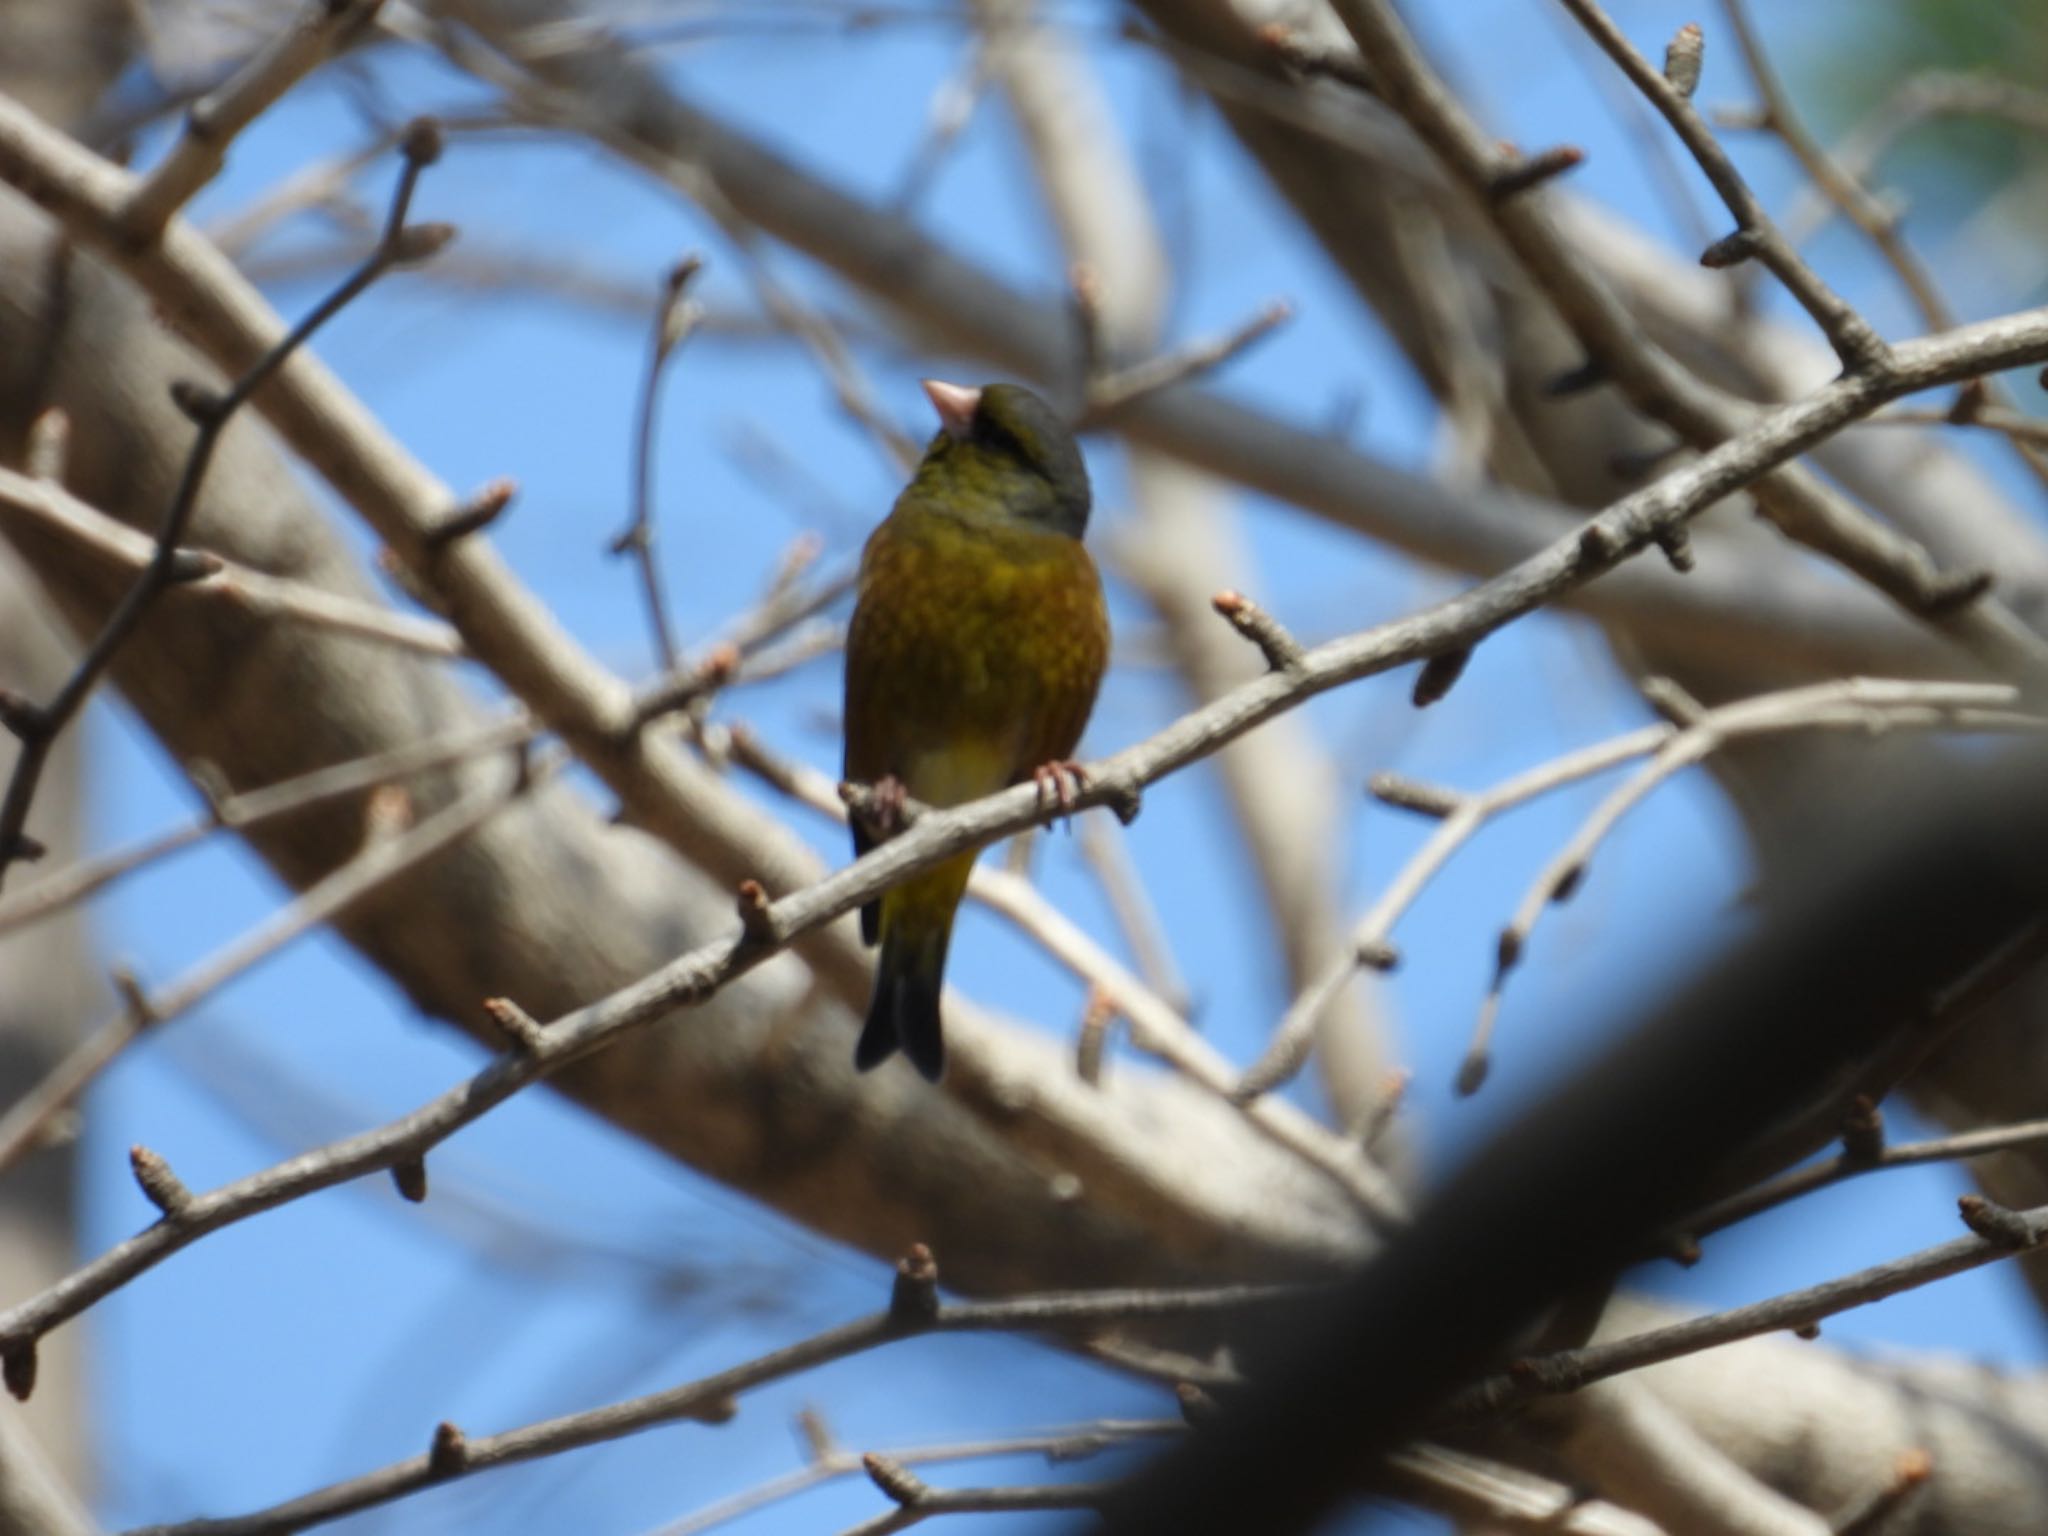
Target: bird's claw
{"x": 1060, "y": 783}
{"x": 887, "y": 800}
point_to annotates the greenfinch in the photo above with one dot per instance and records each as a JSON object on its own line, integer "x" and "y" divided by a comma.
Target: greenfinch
{"x": 978, "y": 640}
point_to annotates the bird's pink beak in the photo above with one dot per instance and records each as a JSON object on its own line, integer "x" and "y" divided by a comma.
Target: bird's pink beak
{"x": 955, "y": 403}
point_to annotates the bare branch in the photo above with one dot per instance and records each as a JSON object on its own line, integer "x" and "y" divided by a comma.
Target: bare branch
{"x": 830, "y": 1462}
{"x": 169, "y": 564}
{"x": 210, "y": 127}
{"x": 1852, "y": 337}
{"x": 1065, "y": 1314}
{"x": 255, "y": 808}
{"x": 1856, "y": 704}
{"x": 1568, "y": 1370}
{"x": 383, "y": 860}
{"x": 50, "y": 507}
{"x": 1801, "y": 505}
{"x": 674, "y": 319}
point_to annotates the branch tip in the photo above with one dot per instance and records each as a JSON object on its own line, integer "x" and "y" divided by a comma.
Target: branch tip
{"x": 1597, "y": 546}
{"x": 820, "y": 1446}
{"x": 1732, "y": 250}
{"x": 1863, "y": 1131}
{"x": 47, "y": 453}
{"x": 1953, "y": 591}
{"x": 1305, "y": 59}
{"x": 1996, "y": 1223}
{"x": 682, "y": 274}
{"x": 1533, "y": 170}
{"x": 448, "y": 1451}
{"x": 1439, "y": 675}
{"x": 1676, "y": 546}
{"x": 914, "y": 1297}
{"x": 473, "y": 515}
{"x": 715, "y": 1411}
{"x": 409, "y": 1174}
{"x": 757, "y": 921}
{"x": 1096, "y": 1017}
{"x": 160, "y": 1186}
{"x": 423, "y": 142}
{"x": 1404, "y": 793}
{"x": 1379, "y": 955}
{"x": 422, "y": 242}
{"x": 1507, "y": 952}
{"x": 521, "y": 1030}
{"x": 902, "y": 1486}
{"x": 185, "y": 566}
{"x": 1380, "y": 1114}
{"x": 1684, "y": 57}
{"x": 1472, "y": 1072}
{"x": 1126, "y": 798}
{"x": 1568, "y": 881}
{"x": 1282, "y": 651}
{"x": 18, "y": 1368}
{"x": 1873, "y": 1515}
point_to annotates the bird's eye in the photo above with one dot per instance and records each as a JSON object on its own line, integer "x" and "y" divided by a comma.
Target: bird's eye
{"x": 996, "y": 435}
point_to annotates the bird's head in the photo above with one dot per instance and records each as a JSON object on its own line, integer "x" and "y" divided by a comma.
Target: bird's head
{"x": 1003, "y": 452}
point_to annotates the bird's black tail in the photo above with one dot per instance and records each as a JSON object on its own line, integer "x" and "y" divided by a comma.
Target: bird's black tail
{"x": 904, "y": 1013}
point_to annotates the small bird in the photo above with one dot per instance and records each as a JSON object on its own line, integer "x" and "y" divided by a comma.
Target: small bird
{"x": 978, "y": 640}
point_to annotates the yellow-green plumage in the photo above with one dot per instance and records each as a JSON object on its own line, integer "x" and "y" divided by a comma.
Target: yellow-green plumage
{"x": 978, "y": 640}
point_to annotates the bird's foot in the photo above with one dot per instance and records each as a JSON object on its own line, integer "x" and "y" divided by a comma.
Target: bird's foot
{"x": 881, "y": 809}
{"x": 1060, "y": 783}
{"x": 888, "y": 801}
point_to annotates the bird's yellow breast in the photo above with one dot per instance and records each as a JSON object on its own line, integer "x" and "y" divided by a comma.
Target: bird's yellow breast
{"x": 974, "y": 655}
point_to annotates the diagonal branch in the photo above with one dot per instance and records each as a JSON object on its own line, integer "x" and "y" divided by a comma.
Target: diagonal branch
{"x": 1456, "y": 623}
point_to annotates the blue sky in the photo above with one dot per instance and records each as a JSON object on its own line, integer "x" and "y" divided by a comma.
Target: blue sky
{"x": 558, "y": 1264}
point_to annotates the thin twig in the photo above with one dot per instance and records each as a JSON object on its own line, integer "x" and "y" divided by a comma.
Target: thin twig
{"x": 2030, "y": 430}
{"x": 1866, "y": 705}
{"x": 1372, "y": 940}
{"x": 1568, "y": 1370}
{"x": 1844, "y": 1165}
{"x": 1489, "y": 1495}
{"x": 54, "y": 509}
{"x": 674, "y": 319}
{"x": 382, "y": 860}
{"x": 1879, "y": 221}
{"x": 830, "y": 1462}
{"x": 254, "y": 808}
{"x": 1108, "y": 856}
{"x": 1855, "y": 704}
{"x": 917, "y": 1501}
{"x": 1109, "y": 393}
{"x": 39, "y": 727}
{"x": 1797, "y": 501}
{"x": 1852, "y": 337}
{"x": 712, "y": 1397}
{"x": 214, "y": 120}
